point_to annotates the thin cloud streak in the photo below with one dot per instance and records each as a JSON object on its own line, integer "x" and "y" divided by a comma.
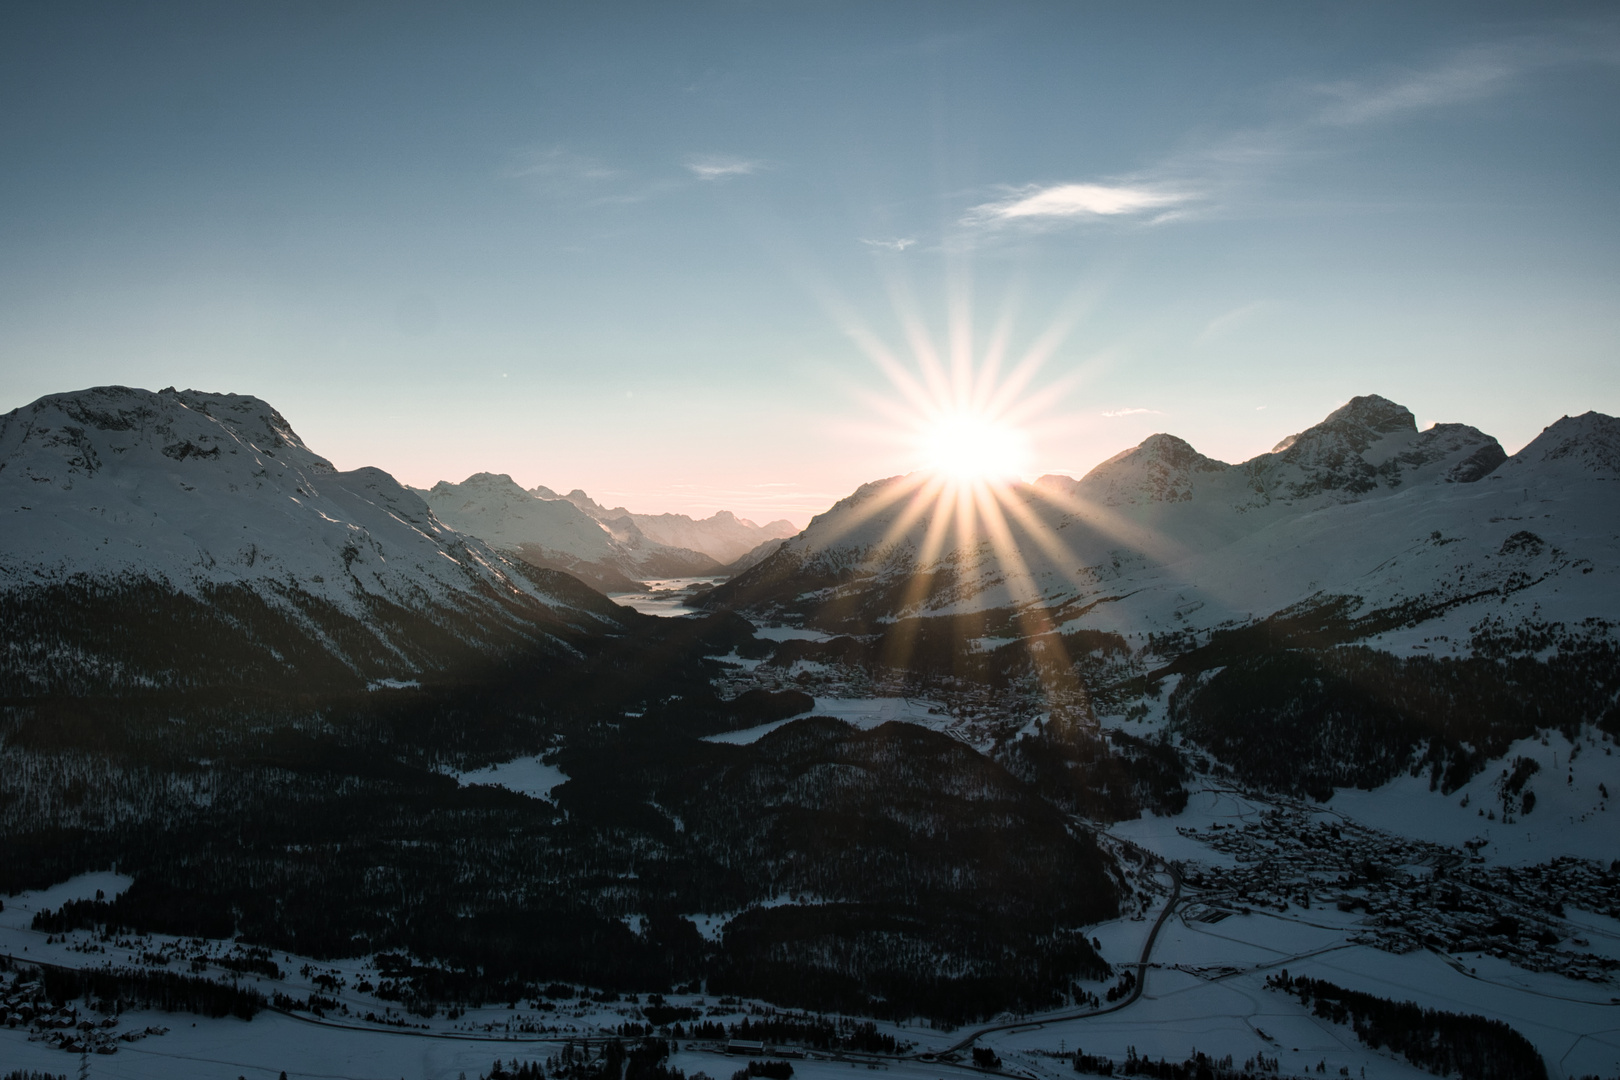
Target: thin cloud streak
{"x": 560, "y": 163}
{"x": 1476, "y": 74}
{"x": 899, "y": 244}
{"x": 1200, "y": 182}
{"x": 1133, "y": 412}
{"x": 1063, "y": 202}
{"x": 719, "y": 167}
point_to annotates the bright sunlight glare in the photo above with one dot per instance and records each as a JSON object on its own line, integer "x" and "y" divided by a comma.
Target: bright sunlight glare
{"x": 966, "y": 447}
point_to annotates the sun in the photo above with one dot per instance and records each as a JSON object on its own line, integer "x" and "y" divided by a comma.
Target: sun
{"x": 968, "y": 447}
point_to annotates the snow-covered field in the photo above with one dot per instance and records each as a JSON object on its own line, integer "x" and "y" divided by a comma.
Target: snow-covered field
{"x": 1204, "y": 991}
{"x": 527, "y": 776}
{"x": 1573, "y": 815}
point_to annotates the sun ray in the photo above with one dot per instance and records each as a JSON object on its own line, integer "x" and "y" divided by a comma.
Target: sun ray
{"x": 874, "y": 505}
{"x": 1054, "y": 673}
{"x": 970, "y": 406}
{"x": 901, "y": 641}
{"x": 926, "y": 496}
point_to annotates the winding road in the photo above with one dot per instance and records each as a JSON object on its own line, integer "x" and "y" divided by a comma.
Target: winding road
{"x": 1130, "y": 999}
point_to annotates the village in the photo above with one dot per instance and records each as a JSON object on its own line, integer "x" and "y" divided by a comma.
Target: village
{"x": 1413, "y": 894}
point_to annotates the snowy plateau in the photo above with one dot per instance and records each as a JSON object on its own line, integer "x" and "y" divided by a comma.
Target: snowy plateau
{"x": 1293, "y": 767}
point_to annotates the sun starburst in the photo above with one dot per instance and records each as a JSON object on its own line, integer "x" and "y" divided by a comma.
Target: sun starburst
{"x": 969, "y": 419}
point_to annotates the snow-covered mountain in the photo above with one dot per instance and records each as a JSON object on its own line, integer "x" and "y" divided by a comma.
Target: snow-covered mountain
{"x": 724, "y": 537}
{"x": 752, "y": 558}
{"x": 1364, "y": 602}
{"x": 182, "y": 538}
{"x": 1162, "y": 540}
{"x": 556, "y": 533}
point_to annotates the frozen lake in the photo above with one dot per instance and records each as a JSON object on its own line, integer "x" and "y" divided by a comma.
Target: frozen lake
{"x": 664, "y": 597}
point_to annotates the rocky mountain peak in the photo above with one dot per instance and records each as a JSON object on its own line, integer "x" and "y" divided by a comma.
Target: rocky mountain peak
{"x": 1161, "y": 468}
{"x": 1378, "y": 416}
{"x": 1586, "y": 443}
{"x": 61, "y": 437}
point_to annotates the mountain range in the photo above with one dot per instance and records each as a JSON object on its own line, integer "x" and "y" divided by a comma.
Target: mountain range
{"x": 614, "y": 550}
{"x": 723, "y": 536}
{"x": 255, "y": 682}
{"x": 1361, "y": 510}
{"x": 178, "y": 538}
{"x": 1366, "y": 598}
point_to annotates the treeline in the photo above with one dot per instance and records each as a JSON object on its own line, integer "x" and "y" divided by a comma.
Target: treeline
{"x": 1198, "y": 1067}
{"x": 1441, "y": 1042}
{"x": 925, "y": 878}
{"x": 89, "y": 637}
{"x": 128, "y": 988}
{"x": 815, "y": 1032}
{"x": 1309, "y": 719}
{"x": 908, "y": 854}
{"x": 1068, "y": 759}
{"x": 1104, "y": 776}
{"x": 528, "y": 1070}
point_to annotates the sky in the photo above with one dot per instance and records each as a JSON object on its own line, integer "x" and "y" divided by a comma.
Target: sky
{"x": 697, "y": 256}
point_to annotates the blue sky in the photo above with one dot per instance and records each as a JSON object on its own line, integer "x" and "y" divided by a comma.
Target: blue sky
{"x": 638, "y": 248}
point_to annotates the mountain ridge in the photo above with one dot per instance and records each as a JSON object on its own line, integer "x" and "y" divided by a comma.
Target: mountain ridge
{"x": 1336, "y": 508}
{"x": 216, "y": 503}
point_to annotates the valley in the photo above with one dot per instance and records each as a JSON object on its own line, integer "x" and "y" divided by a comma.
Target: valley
{"x": 296, "y": 775}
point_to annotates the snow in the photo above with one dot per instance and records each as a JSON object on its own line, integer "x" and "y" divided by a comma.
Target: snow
{"x": 193, "y": 489}
{"x": 529, "y": 776}
{"x": 21, "y": 908}
{"x": 665, "y": 597}
{"x": 722, "y": 536}
{"x": 1570, "y": 818}
{"x": 1204, "y": 992}
{"x": 494, "y": 508}
{"x": 790, "y": 633}
{"x": 862, "y": 713}
{"x": 1161, "y": 539}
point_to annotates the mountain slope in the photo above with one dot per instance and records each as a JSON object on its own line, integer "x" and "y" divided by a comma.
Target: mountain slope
{"x": 723, "y": 536}
{"x": 1364, "y": 600}
{"x": 1166, "y": 541}
{"x": 130, "y": 510}
{"x": 556, "y": 533}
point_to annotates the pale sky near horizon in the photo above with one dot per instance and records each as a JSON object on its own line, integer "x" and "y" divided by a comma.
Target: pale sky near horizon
{"x": 646, "y": 249}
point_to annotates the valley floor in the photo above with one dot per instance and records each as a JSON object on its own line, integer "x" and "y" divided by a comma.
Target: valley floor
{"x": 1204, "y": 990}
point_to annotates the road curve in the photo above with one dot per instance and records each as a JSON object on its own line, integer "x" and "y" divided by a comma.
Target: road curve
{"x": 1136, "y": 991}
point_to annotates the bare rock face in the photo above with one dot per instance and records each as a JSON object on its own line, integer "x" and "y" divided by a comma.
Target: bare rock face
{"x": 1371, "y": 443}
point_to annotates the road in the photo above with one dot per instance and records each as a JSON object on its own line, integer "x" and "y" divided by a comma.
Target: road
{"x": 1130, "y": 999}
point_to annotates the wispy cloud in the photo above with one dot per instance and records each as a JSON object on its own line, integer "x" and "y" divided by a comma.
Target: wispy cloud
{"x": 1468, "y": 76}
{"x": 899, "y": 244}
{"x": 1037, "y": 204}
{"x": 560, "y": 163}
{"x": 720, "y": 166}
{"x": 1132, "y": 412}
{"x": 1224, "y": 171}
